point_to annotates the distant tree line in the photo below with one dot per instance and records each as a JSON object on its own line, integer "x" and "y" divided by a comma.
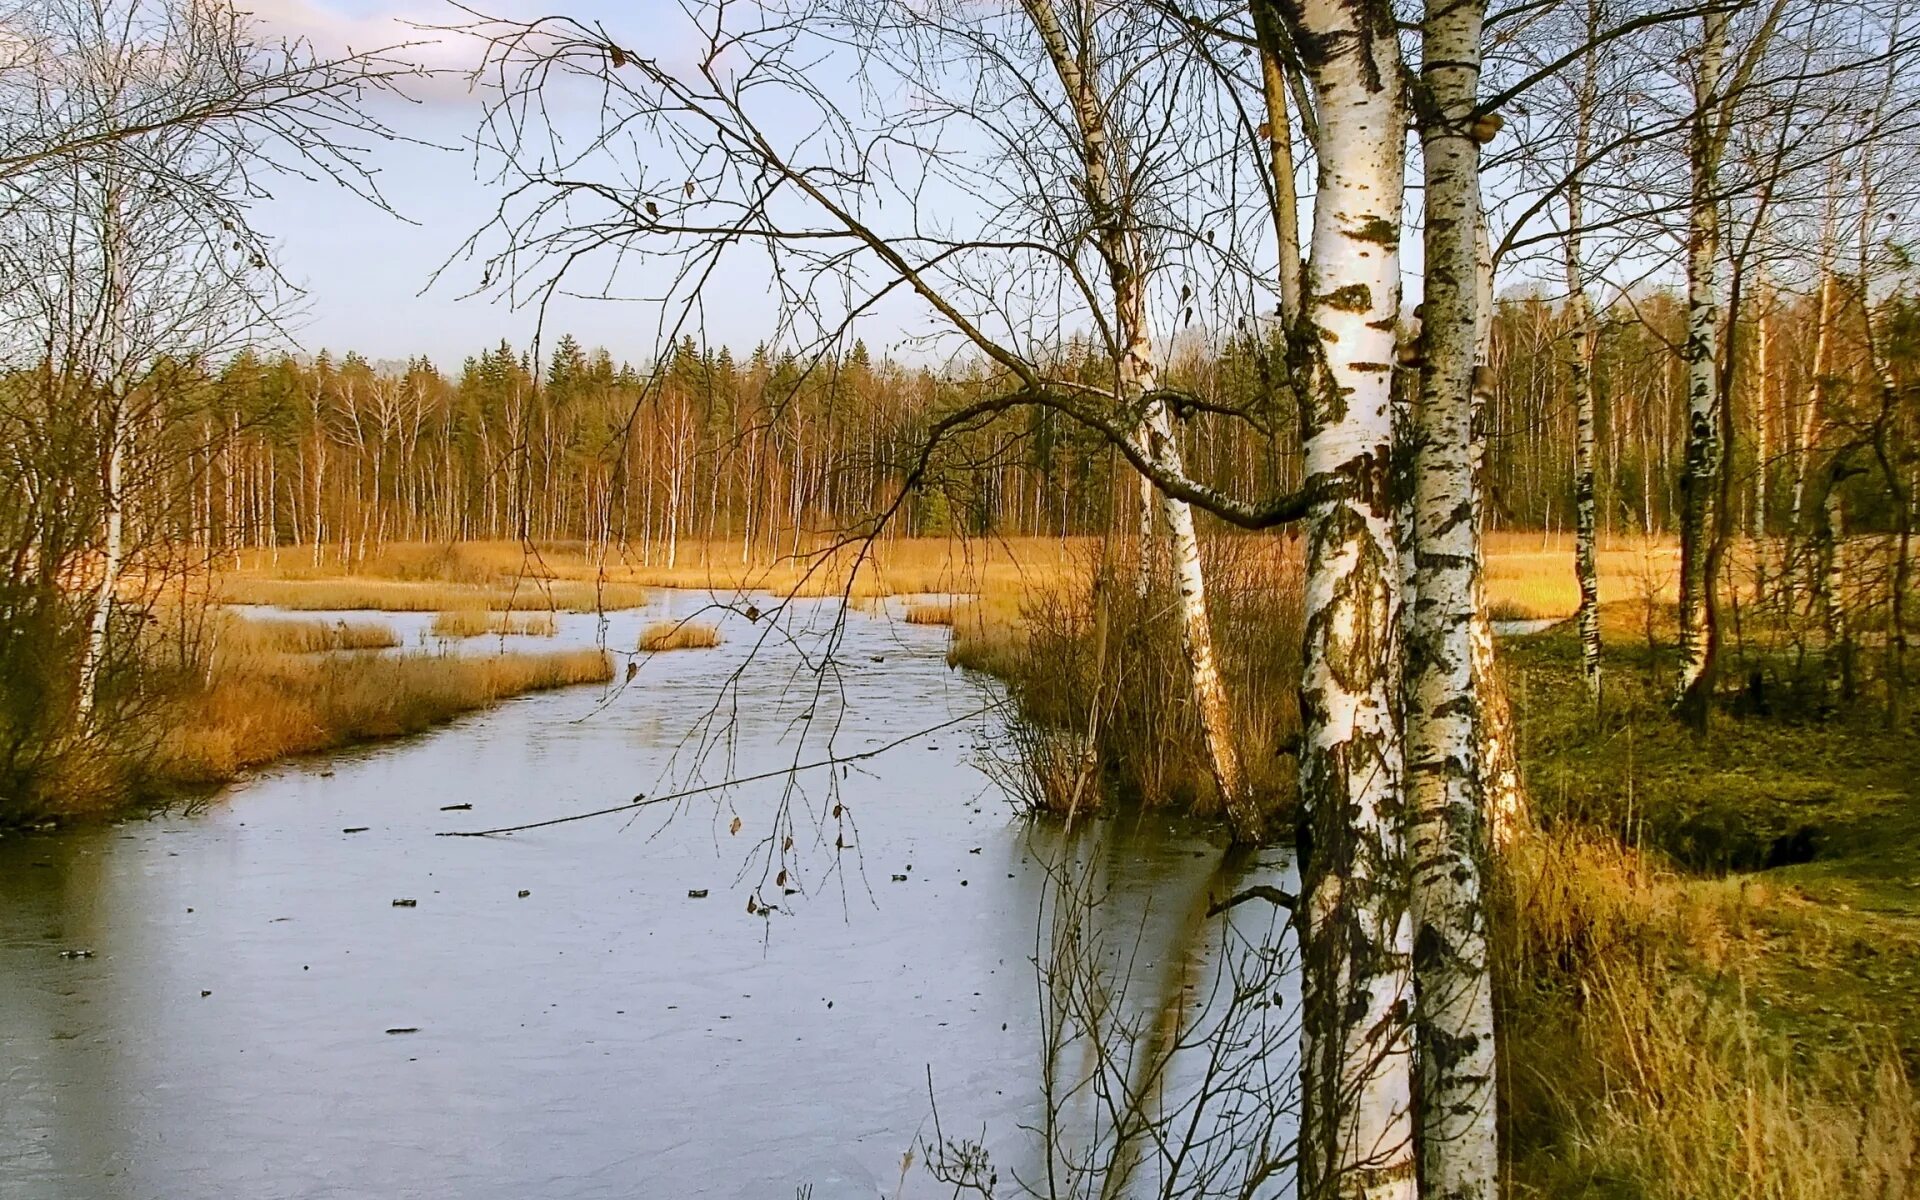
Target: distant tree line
{"x": 769, "y": 450}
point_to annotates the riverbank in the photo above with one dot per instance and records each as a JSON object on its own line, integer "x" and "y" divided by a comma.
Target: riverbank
{"x": 1527, "y": 573}
{"x": 255, "y": 708}
{"x": 1709, "y": 956}
{"x": 246, "y": 693}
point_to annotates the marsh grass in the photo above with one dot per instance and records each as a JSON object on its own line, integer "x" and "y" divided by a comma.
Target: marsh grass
{"x": 1099, "y": 681}
{"x": 1707, "y": 960}
{"x": 930, "y": 614}
{"x": 251, "y": 707}
{"x": 1643, "y": 1056}
{"x": 277, "y": 636}
{"x": 1529, "y": 575}
{"x": 475, "y": 622}
{"x": 858, "y": 570}
{"x": 678, "y": 635}
{"x": 391, "y": 595}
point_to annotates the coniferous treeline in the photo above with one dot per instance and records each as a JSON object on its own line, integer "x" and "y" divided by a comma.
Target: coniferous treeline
{"x": 767, "y": 449}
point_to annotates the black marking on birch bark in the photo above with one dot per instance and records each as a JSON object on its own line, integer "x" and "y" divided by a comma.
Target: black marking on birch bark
{"x": 1355, "y": 297}
{"x": 1378, "y": 230}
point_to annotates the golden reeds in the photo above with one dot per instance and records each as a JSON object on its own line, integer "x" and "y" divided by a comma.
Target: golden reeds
{"x": 678, "y": 635}
{"x": 255, "y": 707}
{"x": 239, "y": 634}
{"x": 477, "y": 622}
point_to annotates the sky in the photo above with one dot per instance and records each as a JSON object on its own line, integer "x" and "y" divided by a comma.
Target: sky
{"x": 368, "y": 275}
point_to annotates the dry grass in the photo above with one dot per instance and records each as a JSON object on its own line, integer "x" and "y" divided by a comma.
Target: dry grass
{"x": 678, "y": 635}
{"x": 390, "y": 595}
{"x": 1636, "y": 1062}
{"x": 1707, "y": 962}
{"x": 1528, "y": 574}
{"x": 253, "y": 707}
{"x": 930, "y": 614}
{"x": 1100, "y": 681}
{"x": 477, "y": 622}
{"x": 240, "y": 635}
{"x": 889, "y": 567}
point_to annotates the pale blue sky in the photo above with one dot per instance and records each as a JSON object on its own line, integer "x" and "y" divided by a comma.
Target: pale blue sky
{"x": 366, "y": 272}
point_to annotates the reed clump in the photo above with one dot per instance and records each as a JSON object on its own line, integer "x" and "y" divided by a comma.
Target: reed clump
{"x": 679, "y": 635}
{"x": 1100, "y": 686}
{"x": 240, "y": 634}
{"x": 930, "y": 614}
{"x": 250, "y": 707}
{"x": 475, "y": 622}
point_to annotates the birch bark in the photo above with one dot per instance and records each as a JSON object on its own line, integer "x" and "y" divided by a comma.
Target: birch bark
{"x": 1459, "y": 1147}
{"x": 1700, "y": 482}
{"x": 1356, "y": 1136}
{"x": 114, "y": 450}
{"x": 1585, "y": 339}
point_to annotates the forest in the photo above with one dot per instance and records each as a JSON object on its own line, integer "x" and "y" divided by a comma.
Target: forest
{"x": 1450, "y": 469}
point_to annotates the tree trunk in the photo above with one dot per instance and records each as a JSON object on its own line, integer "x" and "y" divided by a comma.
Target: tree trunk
{"x": 1459, "y": 1144}
{"x": 1585, "y": 338}
{"x": 114, "y": 432}
{"x": 1505, "y": 796}
{"x": 1700, "y": 483}
{"x": 1119, "y": 239}
{"x": 1356, "y": 1135}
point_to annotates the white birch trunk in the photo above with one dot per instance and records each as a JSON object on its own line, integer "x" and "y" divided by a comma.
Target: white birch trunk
{"x": 1585, "y": 338}
{"x": 113, "y": 464}
{"x": 1459, "y": 1144}
{"x": 1810, "y": 407}
{"x": 1506, "y": 798}
{"x": 1356, "y": 1137}
{"x": 1700, "y": 481}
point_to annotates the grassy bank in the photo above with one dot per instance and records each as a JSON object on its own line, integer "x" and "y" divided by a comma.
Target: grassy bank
{"x": 478, "y": 622}
{"x": 254, "y": 707}
{"x": 1099, "y": 681}
{"x": 406, "y": 595}
{"x": 1528, "y": 573}
{"x": 1709, "y": 958}
{"x": 435, "y": 576}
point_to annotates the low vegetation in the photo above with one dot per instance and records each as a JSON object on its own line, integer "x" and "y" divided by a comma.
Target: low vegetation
{"x": 678, "y": 635}
{"x": 1100, "y": 683}
{"x": 239, "y": 634}
{"x": 930, "y": 614}
{"x": 251, "y": 708}
{"x": 401, "y": 595}
{"x": 478, "y": 622}
{"x": 1709, "y": 958}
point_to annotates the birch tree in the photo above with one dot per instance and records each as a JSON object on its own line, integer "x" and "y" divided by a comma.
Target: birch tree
{"x": 1583, "y": 335}
{"x": 1459, "y": 1147}
{"x": 1121, "y": 247}
{"x": 1357, "y": 1091}
{"x": 1716, "y": 84}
